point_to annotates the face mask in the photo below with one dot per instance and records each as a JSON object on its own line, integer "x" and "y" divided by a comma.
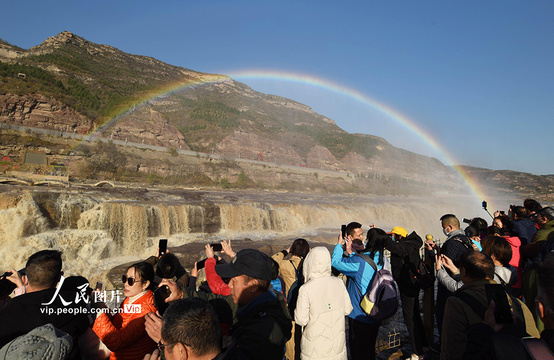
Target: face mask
{"x": 445, "y": 232}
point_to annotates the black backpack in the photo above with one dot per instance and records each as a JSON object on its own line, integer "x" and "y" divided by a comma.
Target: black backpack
{"x": 464, "y": 240}
{"x": 292, "y": 294}
{"x": 424, "y": 277}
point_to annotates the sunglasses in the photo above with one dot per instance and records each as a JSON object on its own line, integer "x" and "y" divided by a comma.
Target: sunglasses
{"x": 129, "y": 280}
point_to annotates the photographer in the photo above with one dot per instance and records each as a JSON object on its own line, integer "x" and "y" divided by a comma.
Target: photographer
{"x": 404, "y": 259}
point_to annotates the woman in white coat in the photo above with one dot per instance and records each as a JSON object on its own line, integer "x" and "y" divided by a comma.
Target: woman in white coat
{"x": 323, "y": 302}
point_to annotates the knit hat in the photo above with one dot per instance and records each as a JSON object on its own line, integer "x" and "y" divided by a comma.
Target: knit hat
{"x": 42, "y": 343}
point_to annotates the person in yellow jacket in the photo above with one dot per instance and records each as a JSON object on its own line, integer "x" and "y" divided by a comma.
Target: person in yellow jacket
{"x": 288, "y": 269}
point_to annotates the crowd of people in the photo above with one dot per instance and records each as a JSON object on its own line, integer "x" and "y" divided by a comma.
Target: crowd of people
{"x": 495, "y": 298}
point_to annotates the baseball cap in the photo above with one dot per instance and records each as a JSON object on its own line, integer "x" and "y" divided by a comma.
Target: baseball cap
{"x": 247, "y": 262}
{"x": 398, "y": 231}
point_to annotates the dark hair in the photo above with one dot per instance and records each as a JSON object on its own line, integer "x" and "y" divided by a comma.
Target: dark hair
{"x": 274, "y": 269}
{"x": 193, "y": 322}
{"x": 547, "y": 212}
{"x": 300, "y": 248}
{"x": 499, "y": 247}
{"x": 167, "y": 266}
{"x": 471, "y": 231}
{"x": 479, "y": 223}
{"x": 145, "y": 271}
{"x": 450, "y": 219}
{"x": 263, "y": 285}
{"x": 44, "y": 268}
{"x": 75, "y": 283}
{"x": 376, "y": 239}
{"x": 506, "y": 225}
{"x": 520, "y": 211}
{"x": 545, "y": 282}
{"x": 351, "y": 227}
{"x": 477, "y": 265}
{"x": 532, "y": 205}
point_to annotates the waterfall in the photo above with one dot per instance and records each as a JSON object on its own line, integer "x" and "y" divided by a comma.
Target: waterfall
{"x": 93, "y": 229}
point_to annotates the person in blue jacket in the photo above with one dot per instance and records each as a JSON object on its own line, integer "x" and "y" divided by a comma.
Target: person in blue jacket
{"x": 362, "y": 329}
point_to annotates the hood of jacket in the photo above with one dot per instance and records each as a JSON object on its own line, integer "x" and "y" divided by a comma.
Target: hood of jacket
{"x": 317, "y": 263}
{"x": 414, "y": 240}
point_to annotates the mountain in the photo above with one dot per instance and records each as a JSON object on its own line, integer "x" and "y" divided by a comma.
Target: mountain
{"x": 70, "y": 84}
{"x": 505, "y": 183}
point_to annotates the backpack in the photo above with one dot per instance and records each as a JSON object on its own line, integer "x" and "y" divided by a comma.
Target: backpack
{"x": 380, "y": 301}
{"x": 517, "y": 329}
{"x": 464, "y": 240}
{"x": 292, "y": 294}
{"x": 424, "y": 277}
{"x": 548, "y": 247}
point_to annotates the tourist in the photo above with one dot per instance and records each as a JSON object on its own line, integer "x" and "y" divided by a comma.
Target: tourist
{"x": 290, "y": 271}
{"x": 362, "y": 328}
{"x": 323, "y": 302}
{"x": 42, "y": 303}
{"x": 404, "y": 260}
{"x": 464, "y": 308}
{"x": 455, "y": 245}
{"x": 262, "y": 323}
{"x": 124, "y": 333}
{"x": 190, "y": 331}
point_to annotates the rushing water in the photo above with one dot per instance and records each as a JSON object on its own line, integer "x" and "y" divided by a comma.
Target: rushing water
{"x": 98, "y": 229}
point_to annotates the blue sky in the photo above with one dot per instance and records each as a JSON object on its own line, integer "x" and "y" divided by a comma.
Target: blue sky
{"x": 477, "y": 76}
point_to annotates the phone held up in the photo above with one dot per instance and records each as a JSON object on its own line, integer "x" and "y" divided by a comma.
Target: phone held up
{"x": 502, "y": 309}
{"x": 162, "y": 245}
{"x": 216, "y": 246}
{"x": 99, "y": 286}
{"x": 343, "y": 231}
{"x": 200, "y": 264}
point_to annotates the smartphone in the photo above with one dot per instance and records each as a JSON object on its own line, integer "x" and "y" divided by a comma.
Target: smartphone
{"x": 160, "y": 294}
{"x": 216, "y": 246}
{"x": 200, "y": 264}
{"x": 484, "y": 204}
{"x": 437, "y": 251}
{"x": 162, "y": 245}
{"x": 467, "y": 221}
{"x": 343, "y": 231}
{"x": 99, "y": 286}
{"x": 503, "y": 309}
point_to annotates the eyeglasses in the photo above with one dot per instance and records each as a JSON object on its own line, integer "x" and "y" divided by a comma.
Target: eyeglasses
{"x": 162, "y": 347}
{"x": 130, "y": 280}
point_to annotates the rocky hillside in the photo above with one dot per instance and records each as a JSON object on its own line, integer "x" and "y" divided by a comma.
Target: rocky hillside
{"x": 72, "y": 85}
{"x": 507, "y": 182}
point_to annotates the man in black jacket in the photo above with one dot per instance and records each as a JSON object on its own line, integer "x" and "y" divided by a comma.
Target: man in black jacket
{"x": 43, "y": 303}
{"x": 455, "y": 245}
{"x": 404, "y": 259}
{"x": 263, "y": 324}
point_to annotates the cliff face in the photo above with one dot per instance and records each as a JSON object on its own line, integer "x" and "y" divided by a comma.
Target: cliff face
{"x": 42, "y": 112}
{"x": 73, "y": 85}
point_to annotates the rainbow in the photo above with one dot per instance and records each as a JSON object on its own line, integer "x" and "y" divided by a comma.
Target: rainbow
{"x": 202, "y": 79}
{"x": 327, "y": 85}
{"x": 387, "y": 110}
